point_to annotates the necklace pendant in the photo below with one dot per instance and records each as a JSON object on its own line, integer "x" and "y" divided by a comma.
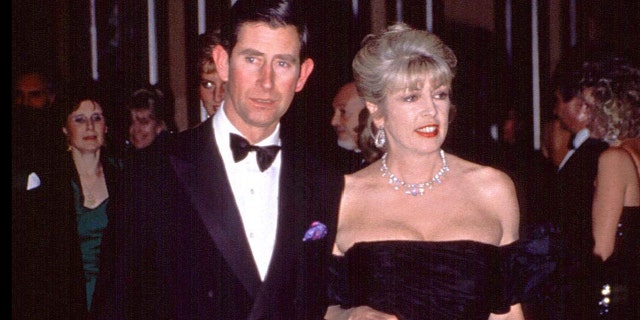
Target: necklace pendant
{"x": 91, "y": 200}
{"x": 414, "y": 189}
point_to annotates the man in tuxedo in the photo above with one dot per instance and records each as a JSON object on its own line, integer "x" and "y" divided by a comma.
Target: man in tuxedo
{"x": 347, "y": 106}
{"x": 572, "y": 198}
{"x": 240, "y": 222}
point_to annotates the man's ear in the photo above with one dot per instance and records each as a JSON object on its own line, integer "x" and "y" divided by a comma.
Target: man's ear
{"x": 305, "y": 71}
{"x": 221, "y": 59}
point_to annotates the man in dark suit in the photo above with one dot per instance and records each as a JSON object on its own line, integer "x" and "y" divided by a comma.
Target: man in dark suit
{"x": 572, "y": 198}
{"x": 347, "y": 106}
{"x": 218, "y": 233}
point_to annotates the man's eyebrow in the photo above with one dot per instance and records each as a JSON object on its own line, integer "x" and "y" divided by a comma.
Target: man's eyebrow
{"x": 283, "y": 56}
{"x": 250, "y": 52}
{"x": 287, "y": 57}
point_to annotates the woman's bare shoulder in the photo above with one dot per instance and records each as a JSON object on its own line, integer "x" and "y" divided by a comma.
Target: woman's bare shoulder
{"x": 616, "y": 159}
{"x": 480, "y": 175}
{"x": 493, "y": 193}
{"x": 615, "y": 156}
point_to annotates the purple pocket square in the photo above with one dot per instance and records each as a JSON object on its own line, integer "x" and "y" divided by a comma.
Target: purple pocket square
{"x": 316, "y": 231}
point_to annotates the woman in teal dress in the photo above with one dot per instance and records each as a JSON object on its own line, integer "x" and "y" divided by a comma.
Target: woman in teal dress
{"x": 59, "y": 241}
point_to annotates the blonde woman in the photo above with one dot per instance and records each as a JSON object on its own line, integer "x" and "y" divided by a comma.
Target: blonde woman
{"x": 422, "y": 233}
{"x": 613, "y": 93}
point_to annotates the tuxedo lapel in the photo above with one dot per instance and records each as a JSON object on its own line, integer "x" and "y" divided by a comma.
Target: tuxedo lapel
{"x": 290, "y": 213}
{"x": 201, "y": 171}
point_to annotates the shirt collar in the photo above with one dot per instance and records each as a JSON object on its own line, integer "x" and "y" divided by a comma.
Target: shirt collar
{"x": 581, "y": 137}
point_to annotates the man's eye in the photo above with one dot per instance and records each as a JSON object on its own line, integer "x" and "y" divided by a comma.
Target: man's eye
{"x": 35, "y": 94}
{"x": 283, "y": 64}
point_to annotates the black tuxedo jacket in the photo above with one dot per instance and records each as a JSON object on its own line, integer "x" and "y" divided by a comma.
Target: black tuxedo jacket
{"x": 574, "y": 196}
{"x": 182, "y": 253}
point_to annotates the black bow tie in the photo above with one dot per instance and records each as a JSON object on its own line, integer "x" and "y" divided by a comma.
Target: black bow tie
{"x": 241, "y": 147}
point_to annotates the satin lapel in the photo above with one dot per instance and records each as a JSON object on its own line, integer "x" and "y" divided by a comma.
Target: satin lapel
{"x": 212, "y": 198}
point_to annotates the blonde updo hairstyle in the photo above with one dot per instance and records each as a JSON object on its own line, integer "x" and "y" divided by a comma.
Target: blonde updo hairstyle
{"x": 398, "y": 59}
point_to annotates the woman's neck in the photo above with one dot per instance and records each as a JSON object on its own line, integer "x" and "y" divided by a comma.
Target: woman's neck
{"x": 87, "y": 164}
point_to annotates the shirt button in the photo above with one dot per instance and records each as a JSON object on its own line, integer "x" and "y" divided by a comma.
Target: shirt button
{"x": 210, "y": 293}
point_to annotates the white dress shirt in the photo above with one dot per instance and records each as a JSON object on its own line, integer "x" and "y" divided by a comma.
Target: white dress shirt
{"x": 579, "y": 139}
{"x": 255, "y": 192}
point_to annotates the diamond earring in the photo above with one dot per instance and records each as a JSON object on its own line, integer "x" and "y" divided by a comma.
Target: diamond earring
{"x": 380, "y": 139}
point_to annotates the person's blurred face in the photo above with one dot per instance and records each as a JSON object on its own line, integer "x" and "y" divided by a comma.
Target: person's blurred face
{"x": 415, "y": 121}
{"x": 86, "y": 127}
{"x": 573, "y": 114}
{"x": 144, "y": 128}
{"x": 211, "y": 90}
{"x": 262, "y": 75}
{"x": 346, "y": 107}
{"x": 31, "y": 91}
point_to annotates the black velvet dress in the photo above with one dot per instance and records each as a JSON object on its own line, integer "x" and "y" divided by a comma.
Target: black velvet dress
{"x": 618, "y": 278}
{"x": 435, "y": 280}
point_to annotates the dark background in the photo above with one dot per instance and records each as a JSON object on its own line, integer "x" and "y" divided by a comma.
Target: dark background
{"x": 55, "y": 35}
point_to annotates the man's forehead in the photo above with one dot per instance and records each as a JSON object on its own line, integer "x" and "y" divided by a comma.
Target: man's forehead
{"x": 31, "y": 81}
{"x": 258, "y": 34}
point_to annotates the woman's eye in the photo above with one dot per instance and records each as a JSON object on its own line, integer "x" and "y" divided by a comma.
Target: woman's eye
{"x": 441, "y": 95}
{"x": 81, "y": 119}
{"x": 97, "y": 117}
{"x": 410, "y": 98}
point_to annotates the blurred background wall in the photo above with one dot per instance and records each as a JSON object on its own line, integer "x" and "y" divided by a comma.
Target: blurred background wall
{"x": 504, "y": 48}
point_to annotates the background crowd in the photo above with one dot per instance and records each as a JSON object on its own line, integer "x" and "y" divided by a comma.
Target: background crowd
{"x": 150, "y": 223}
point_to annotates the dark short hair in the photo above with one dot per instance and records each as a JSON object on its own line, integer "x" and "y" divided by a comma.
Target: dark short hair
{"x": 68, "y": 100}
{"x": 276, "y": 13}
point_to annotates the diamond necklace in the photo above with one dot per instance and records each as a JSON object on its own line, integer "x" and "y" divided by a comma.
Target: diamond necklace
{"x": 414, "y": 189}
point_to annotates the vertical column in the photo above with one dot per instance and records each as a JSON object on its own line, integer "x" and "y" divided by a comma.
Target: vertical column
{"x": 93, "y": 32}
{"x": 153, "y": 45}
{"x": 378, "y": 15}
{"x": 429, "y": 15}
{"x": 508, "y": 14}
{"x": 535, "y": 74}
{"x": 202, "y": 16}
{"x": 399, "y": 15}
{"x": 573, "y": 23}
